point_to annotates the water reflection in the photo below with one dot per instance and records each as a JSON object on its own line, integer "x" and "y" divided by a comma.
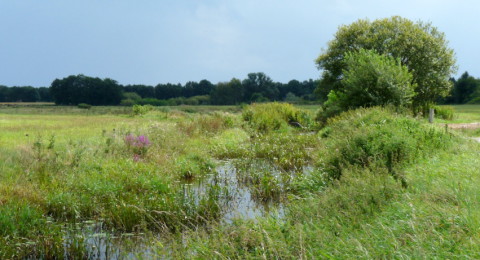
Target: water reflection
{"x": 235, "y": 200}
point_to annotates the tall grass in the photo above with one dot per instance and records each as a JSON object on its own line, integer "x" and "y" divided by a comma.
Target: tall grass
{"x": 68, "y": 170}
{"x": 366, "y": 213}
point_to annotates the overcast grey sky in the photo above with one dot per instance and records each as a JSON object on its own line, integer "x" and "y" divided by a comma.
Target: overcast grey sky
{"x": 151, "y": 42}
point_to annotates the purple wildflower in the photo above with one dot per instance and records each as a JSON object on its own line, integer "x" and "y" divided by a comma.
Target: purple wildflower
{"x": 130, "y": 140}
{"x": 142, "y": 141}
{"x": 136, "y": 157}
{"x": 138, "y": 145}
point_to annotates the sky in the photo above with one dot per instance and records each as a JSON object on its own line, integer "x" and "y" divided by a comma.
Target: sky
{"x": 176, "y": 41}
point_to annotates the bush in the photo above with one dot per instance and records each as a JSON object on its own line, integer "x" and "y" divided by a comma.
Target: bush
{"x": 444, "y": 112}
{"x": 84, "y": 106}
{"x": 330, "y": 108}
{"x": 139, "y": 110}
{"x": 275, "y": 116}
{"x": 379, "y": 140}
{"x": 372, "y": 79}
{"x": 152, "y": 102}
{"x": 369, "y": 80}
{"x": 206, "y": 124}
{"x": 132, "y": 96}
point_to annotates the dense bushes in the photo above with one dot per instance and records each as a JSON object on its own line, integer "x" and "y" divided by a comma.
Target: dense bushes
{"x": 377, "y": 139}
{"x": 275, "y": 116}
{"x": 444, "y": 112}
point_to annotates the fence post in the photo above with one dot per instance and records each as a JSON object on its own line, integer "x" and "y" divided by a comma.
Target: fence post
{"x": 431, "y": 114}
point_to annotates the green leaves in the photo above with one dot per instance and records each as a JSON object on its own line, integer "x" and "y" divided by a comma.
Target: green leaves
{"x": 371, "y": 79}
{"x": 418, "y": 46}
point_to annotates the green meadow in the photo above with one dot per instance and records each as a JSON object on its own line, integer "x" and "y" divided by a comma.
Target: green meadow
{"x": 258, "y": 181}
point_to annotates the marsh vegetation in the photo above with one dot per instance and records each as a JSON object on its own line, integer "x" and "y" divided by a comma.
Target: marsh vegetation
{"x": 258, "y": 181}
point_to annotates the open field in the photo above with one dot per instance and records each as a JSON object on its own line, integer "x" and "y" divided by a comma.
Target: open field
{"x": 464, "y": 114}
{"x": 227, "y": 182}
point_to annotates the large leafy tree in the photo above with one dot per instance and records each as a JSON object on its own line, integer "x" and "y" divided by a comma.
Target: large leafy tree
{"x": 419, "y": 46}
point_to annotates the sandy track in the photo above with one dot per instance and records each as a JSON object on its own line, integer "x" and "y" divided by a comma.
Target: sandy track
{"x": 464, "y": 126}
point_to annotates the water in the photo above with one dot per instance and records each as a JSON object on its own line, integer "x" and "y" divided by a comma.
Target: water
{"x": 95, "y": 242}
{"x": 235, "y": 200}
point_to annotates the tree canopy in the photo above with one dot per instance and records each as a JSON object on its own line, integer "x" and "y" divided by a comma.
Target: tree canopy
{"x": 73, "y": 90}
{"x": 419, "y": 46}
{"x": 371, "y": 79}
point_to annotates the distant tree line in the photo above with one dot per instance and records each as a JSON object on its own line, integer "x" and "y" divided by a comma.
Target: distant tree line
{"x": 25, "y": 94}
{"x": 76, "y": 89}
{"x": 257, "y": 87}
{"x": 466, "y": 90}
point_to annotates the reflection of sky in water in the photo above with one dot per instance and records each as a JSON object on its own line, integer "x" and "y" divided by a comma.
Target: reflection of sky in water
{"x": 236, "y": 202}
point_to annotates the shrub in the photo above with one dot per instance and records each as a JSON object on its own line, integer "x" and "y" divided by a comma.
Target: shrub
{"x": 132, "y": 96}
{"x": 193, "y": 165}
{"x": 379, "y": 140}
{"x": 444, "y": 112}
{"x": 139, "y": 110}
{"x": 84, "y": 106}
{"x": 275, "y": 116}
{"x": 153, "y": 102}
{"x": 205, "y": 124}
{"x": 370, "y": 79}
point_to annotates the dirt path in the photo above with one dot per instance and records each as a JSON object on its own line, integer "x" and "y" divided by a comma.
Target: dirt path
{"x": 464, "y": 126}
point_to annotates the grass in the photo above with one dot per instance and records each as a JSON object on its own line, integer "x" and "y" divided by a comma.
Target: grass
{"x": 464, "y": 114}
{"x": 64, "y": 166}
{"x": 365, "y": 214}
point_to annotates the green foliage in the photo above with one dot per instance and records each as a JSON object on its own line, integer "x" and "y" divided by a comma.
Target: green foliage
{"x": 23, "y": 94}
{"x": 132, "y": 96}
{"x": 378, "y": 140}
{"x": 371, "y": 79}
{"x": 73, "y": 90}
{"x": 130, "y": 99}
{"x": 179, "y": 201}
{"x": 193, "y": 166}
{"x": 275, "y": 116}
{"x": 419, "y": 46}
{"x": 228, "y": 93}
{"x": 331, "y": 107}
{"x": 230, "y": 144}
{"x": 475, "y": 100}
{"x": 84, "y": 106}
{"x": 444, "y": 112}
{"x": 152, "y": 102}
{"x": 284, "y": 150}
{"x": 206, "y": 124}
{"x": 291, "y": 98}
{"x": 139, "y": 110}
{"x": 465, "y": 90}
{"x": 127, "y": 102}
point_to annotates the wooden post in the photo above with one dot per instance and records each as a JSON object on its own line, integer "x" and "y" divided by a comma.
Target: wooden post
{"x": 431, "y": 114}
